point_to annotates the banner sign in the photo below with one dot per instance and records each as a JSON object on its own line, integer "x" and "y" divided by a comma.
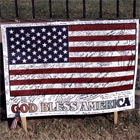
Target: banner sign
{"x": 73, "y": 67}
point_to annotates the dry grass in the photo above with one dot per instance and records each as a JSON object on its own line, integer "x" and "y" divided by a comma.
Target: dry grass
{"x": 95, "y": 127}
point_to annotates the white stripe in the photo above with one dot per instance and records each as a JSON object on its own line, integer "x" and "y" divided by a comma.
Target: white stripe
{"x": 72, "y": 65}
{"x": 101, "y": 54}
{"x": 71, "y": 75}
{"x": 102, "y": 32}
{"x": 70, "y": 85}
{"x": 102, "y": 43}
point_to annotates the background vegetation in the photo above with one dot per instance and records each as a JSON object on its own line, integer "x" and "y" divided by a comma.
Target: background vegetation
{"x": 7, "y": 8}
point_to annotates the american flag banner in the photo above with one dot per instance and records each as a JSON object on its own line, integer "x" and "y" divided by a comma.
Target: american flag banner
{"x": 77, "y": 58}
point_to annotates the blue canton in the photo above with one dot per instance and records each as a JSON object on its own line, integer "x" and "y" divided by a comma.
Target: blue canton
{"x": 45, "y": 44}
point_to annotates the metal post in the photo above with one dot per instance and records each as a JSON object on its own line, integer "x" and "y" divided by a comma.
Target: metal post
{"x": 16, "y": 8}
{"x": 84, "y": 9}
{"x": 67, "y": 8}
{"x": 50, "y": 8}
{"x": 100, "y": 8}
{"x": 134, "y": 8}
{"x": 117, "y": 8}
{"x": 33, "y": 9}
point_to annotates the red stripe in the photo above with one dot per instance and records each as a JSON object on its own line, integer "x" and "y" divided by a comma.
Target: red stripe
{"x": 98, "y": 49}
{"x": 71, "y": 70}
{"x": 73, "y": 80}
{"x": 102, "y": 59}
{"x": 102, "y": 38}
{"x": 92, "y": 27}
{"x": 70, "y": 91}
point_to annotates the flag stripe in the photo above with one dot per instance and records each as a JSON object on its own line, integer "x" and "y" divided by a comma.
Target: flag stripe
{"x": 71, "y": 70}
{"x": 102, "y": 43}
{"x": 69, "y": 80}
{"x": 102, "y": 59}
{"x": 72, "y": 65}
{"x": 71, "y": 91}
{"x": 102, "y": 38}
{"x": 101, "y": 54}
{"x": 102, "y": 27}
{"x": 70, "y": 75}
{"x": 102, "y": 48}
{"x": 102, "y": 33}
{"x": 69, "y": 85}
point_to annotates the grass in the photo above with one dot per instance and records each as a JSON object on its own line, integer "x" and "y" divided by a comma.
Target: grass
{"x": 94, "y": 127}
{"x": 75, "y": 9}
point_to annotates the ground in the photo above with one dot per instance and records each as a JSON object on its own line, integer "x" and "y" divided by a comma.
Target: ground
{"x": 94, "y": 127}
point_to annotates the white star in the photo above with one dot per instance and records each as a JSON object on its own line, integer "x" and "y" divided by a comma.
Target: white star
{"x": 60, "y": 55}
{"x": 33, "y": 37}
{"x": 65, "y": 59}
{"x": 34, "y": 60}
{"x": 18, "y": 58}
{"x": 65, "y": 44}
{"x": 60, "y": 48}
{"x": 59, "y": 33}
{"x": 34, "y": 52}
{"x": 27, "y": 35}
{"x": 12, "y": 39}
{"x": 49, "y": 41}
{"x": 23, "y": 53}
{"x": 17, "y": 42}
{"x": 49, "y": 33}
{"x": 13, "y": 61}
{"x": 64, "y": 36}
{"x": 34, "y": 45}
{"x": 54, "y": 29}
{"x": 28, "y": 41}
{"x": 38, "y": 41}
{"x": 43, "y": 29}
{"x": 21, "y": 31}
{"x": 60, "y": 40}
{"x": 13, "y": 53}
{"x": 18, "y": 50}
{"x": 64, "y": 29}
{"x": 32, "y": 30}
{"x": 28, "y": 50}
{"x": 55, "y": 51}
{"x": 11, "y": 31}
{"x": 24, "y": 60}
{"x": 44, "y": 52}
{"x": 39, "y": 49}
{"x": 54, "y": 44}
{"x": 55, "y": 59}
{"x": 49, "y": 48}
{"x": 29, "y": 57}
{"x": 44, "y": 45}
{"x": 43, "y": 37}
{"x": 16, "y": 35}
{"x": 65, "y": 52}
{"x": 39, "y": 57}
{"x": 50, "y": 56}
{"x": 45, "y": 59}
{"x": 22, "y": 38}
{"x": 23, "y": 46}
{"x": 12, "y": 46}
{"x": 54, "y": 37}
{"x": 38, "y": 34}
